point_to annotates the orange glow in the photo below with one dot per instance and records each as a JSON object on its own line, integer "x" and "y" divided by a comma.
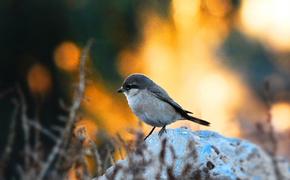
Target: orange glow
{"x": 180, "y": 56}
{"x": 86, "y": 129}
{"x": 268, "y": 20}
{"x": 115, "y": 116}
{"x": 128, "y": 64}
{"x": 39, "y": 79}
{"x": 185, "y": 13}
{"x": 218, "y": 7}
{"x": 91, "y": 164}
{"x": 281, "y": 116}
{"x": 74, "y": 173}
{"x": 220, "y": 96}
{"x": 67, "y": 55}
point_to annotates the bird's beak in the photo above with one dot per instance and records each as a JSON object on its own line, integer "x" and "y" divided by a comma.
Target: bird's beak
{"x": 120, "y": 90}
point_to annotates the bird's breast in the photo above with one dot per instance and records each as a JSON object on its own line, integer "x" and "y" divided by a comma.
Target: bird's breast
{"x": 151, "y": 110}
{"x": 136, "y": 102}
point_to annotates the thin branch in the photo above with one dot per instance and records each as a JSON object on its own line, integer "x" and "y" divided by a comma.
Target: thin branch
{"x": 271, "y": 134}
{"x": 63, "y": 105}
{"x": 77, "y": 99}
{"x": 25, "y": 126}
{"x": 43, "y": 130}
{"x": 62, "y": 119}
{"x": 97, "y": 158}
{"x": 57, "y": 129}
{"x": 11, "y": 135}
{"x": 79, "y": 92}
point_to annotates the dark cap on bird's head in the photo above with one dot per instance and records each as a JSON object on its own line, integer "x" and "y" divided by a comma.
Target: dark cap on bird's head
{"x": 135, "y": 81}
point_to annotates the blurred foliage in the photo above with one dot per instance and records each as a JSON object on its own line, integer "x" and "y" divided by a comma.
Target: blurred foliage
{"x": 32, "y": 31}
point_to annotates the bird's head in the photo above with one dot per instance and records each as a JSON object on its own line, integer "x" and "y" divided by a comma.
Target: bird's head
{"x": 134, "y": 83}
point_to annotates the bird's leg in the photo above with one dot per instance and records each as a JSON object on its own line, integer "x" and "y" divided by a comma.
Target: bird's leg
{"x": 150, "y": 133}
{"x": 163, "y": 129}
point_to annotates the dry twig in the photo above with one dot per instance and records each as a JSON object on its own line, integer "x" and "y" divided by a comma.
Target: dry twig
{"x": 25, "y": 127}
{"x": 64, "y": 139}
{"x": 43, "y": 130}
{"x": 271, "y": 133}
{"x": 11, "y": 135}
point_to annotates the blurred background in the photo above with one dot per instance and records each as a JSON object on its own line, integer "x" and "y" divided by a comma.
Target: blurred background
{"x": 228, "y": 61}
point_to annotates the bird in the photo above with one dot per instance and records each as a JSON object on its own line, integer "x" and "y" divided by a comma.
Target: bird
{"x": 152, "y": 104}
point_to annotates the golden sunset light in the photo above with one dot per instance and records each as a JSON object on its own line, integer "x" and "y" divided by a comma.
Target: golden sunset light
{"x": 268, "y": 20}
{"x": 184, "y": 63}
{"x": 78, "y": 102}
{"x": 67, "y": 55}
{"x": 281, "y": 116}
{"x": 39, "y": 79}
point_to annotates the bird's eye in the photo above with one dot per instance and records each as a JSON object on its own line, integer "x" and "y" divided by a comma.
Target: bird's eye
{"x": 127, "y": 87}
{"x": 134, "y": 86}
{"x": 131, "y": 86}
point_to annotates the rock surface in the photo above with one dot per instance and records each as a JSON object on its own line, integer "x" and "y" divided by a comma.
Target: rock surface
{"x": 185, "y": 154}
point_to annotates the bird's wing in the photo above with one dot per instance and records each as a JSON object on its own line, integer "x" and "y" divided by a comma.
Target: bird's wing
{"x": 161, "y": 94}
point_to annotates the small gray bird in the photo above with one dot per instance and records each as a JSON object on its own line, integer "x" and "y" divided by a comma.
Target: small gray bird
{"x": 152, "y": 104}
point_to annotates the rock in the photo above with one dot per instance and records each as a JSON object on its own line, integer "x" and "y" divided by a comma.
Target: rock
{"x": 185, "y": 154}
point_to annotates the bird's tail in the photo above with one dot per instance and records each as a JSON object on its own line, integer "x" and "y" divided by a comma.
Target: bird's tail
{"x": 197, "y": 120}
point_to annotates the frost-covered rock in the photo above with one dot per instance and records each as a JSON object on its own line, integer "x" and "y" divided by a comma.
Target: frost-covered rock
{"x": 185, "y": 154}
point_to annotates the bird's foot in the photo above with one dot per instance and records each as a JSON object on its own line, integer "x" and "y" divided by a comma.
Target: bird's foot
{"x": 150, "y": 133}
{"x": 163, "y": 129}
